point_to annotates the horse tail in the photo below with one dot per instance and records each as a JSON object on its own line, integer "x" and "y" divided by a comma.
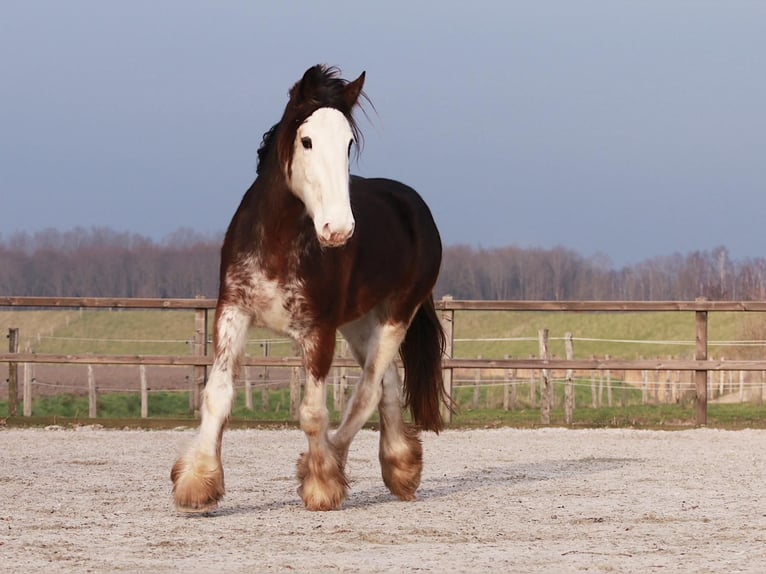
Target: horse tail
{"x": 421, "y": 353}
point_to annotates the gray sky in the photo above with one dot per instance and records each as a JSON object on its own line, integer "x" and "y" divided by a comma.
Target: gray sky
{"x": 630, "y": 129}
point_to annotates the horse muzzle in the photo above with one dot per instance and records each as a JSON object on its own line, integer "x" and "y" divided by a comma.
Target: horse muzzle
{"x": 330, "y": 236}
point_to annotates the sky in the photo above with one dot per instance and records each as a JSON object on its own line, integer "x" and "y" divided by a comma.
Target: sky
{"x": 625, "y": 130}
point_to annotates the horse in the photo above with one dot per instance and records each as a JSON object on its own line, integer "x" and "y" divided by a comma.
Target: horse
{"x": 313, "y": 250}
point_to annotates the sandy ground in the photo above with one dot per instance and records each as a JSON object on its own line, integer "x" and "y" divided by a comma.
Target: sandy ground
{"x": 552, "y": 500}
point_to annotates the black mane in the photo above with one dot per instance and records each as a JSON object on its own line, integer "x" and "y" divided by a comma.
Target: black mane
{"x": 266, "y": 145}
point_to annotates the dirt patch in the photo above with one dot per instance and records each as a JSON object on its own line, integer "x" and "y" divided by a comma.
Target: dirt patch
{"x": 505, "y": 500}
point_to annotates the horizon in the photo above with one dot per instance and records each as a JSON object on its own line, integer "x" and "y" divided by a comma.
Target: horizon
{"x": 185, "y": 236}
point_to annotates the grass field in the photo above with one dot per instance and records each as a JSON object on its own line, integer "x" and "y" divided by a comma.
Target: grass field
{"x": 477, "y": 333}
{"x": 619, "y": 335}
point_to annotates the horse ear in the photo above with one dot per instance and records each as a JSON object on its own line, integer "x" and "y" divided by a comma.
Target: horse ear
{"x": 307, "y": 84}
{"x": 353, "y": 89}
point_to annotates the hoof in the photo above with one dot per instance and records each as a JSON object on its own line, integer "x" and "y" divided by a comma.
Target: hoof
{"x": 197, "y": 484}
{"x": 402, "y": 468}
{"x": 323, "y": 484}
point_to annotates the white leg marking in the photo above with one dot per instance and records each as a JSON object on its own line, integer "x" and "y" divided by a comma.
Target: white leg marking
{"x": 323, "y": 484}
{"x": 231, "y": 331}
{"x": 198, "y": 476}
{"x": 392, "y": 423}
{"x": 401, "y": 452}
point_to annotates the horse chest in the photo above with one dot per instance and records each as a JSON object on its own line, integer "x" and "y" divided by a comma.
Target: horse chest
{"x": 275, "y": 305}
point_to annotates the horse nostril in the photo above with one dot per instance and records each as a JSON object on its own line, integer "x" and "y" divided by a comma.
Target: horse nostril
{"x": 326, "y": 232}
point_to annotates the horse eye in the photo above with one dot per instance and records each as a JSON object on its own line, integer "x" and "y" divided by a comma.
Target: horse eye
{"x": 306, "y": 143}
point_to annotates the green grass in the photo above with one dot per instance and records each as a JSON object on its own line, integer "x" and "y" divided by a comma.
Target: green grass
{"x": 112, "y": 405}
{"x": 160, "y": 405}
{"x": 744, "y": 415}
{"x": 174, "y": 406}
{"x": 490, "y": 396}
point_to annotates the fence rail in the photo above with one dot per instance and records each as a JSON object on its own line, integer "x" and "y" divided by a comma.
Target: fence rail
{"x": 701, "y": 365}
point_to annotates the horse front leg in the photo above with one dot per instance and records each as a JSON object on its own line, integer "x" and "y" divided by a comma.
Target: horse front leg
{"x": 198, "y": 475}
{"x": 323, "y": 484}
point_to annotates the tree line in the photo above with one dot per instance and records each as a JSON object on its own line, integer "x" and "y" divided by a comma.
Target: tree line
{"x": 100, "y": 262}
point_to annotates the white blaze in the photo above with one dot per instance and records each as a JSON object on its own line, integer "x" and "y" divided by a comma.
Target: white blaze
{"x": 320, "y": 176}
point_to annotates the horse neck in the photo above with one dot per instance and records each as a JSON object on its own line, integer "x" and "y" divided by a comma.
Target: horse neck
{"x": 276, "y": 215}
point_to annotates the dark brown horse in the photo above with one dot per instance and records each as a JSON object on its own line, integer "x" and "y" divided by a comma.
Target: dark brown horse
{"x": 310, "y": 251}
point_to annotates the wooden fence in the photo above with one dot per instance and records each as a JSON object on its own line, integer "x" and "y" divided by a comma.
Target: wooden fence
{"x": 200, "y": 359}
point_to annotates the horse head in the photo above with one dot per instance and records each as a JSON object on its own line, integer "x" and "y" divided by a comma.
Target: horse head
{"x": 317, "y": 133}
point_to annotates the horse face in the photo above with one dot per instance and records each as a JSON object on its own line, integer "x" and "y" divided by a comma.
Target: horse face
{"x": 320, "y": 176}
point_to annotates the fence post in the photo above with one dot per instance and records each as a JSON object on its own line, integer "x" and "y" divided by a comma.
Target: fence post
{"x": 721, "y": 381}
{"x": 742, "y": 386}
{"x": 447, "y": 320}
{"x": 668, "y": 394}
{"x": 248, "y": 389}
{"x": 27, "y": 391}
{"x": 91, "y": 393}
{"x": 265, "y": 396}
{"x": 547, "y": 390}
{"x": 593, "y": 389}
{"x": 340, "y": 404}
{"x": 623, "y": 389}
{"x": 514, "y": 388}
{"x": 13, "y": 373}
{"x": 608, "y": 384}
{"x": 700, "y": 376}
{"x": 569, "y": 399}
{"x": 144, "y": 392}
{"x": 266, "y": 377}
{"x": 509, "y": 388}
{"x": 644, "y": 387}
{"x": 674, "y": 385}
{"x": 476, "y": 387}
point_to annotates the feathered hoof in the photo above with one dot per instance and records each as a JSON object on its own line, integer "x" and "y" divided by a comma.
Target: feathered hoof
{"x": 402, "y": 468}
{"x": 323, "y": 484}
{"x": 197, "y": 484}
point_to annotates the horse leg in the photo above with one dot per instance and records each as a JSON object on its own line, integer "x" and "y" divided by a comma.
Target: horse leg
{"x": 374, "y": 346}
{"x": 323, "y": 484}
{"x": 401, "y": 452}
{"x": 198, "y": 475}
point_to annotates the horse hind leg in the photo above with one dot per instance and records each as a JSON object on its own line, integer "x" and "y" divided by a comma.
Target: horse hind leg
{"x": 401, "y": 455}
{"x": 198, "y": 482}
{"x": 401, "y": 451}
{"x": 374, "y": 346}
